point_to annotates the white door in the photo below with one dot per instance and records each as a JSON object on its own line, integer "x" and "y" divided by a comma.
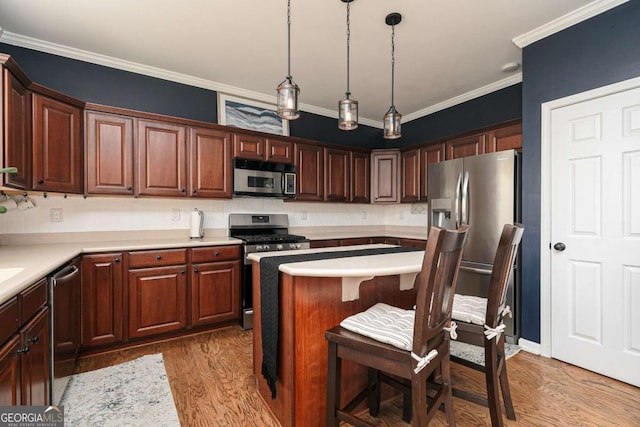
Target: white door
{"x": 595, "y": 214}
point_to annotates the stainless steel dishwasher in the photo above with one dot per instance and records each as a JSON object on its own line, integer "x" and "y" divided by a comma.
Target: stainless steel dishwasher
{"x": 64, "y": 302}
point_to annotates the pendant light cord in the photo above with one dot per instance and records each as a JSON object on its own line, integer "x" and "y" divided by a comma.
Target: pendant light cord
{"x": 289, "y": 39}
{"x": 393, "y": 60}
{"x": 348, "y": 43}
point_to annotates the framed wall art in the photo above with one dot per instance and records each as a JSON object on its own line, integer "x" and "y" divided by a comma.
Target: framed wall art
{"x": 249, "y": 114}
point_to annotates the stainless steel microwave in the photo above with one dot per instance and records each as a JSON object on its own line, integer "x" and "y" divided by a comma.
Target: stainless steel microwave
{"x": 256, "y": 178}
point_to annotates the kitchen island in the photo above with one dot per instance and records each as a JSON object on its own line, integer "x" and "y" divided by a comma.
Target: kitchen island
{"x": 313, "y": 297}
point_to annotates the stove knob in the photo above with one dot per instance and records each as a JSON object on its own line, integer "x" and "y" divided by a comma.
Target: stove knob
{"x": 279, "y": 247}
{"x": 266, "y": 247}
{"x": 258, "y": 248}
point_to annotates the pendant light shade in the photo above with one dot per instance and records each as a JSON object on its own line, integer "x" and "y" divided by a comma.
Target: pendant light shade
{"x": 348, "y": 106}
{"x": 288, "y": 91}
{"x": 392, "y": 119}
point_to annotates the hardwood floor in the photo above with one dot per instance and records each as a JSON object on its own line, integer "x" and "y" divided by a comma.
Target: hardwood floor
{"x": 212, "y": 383}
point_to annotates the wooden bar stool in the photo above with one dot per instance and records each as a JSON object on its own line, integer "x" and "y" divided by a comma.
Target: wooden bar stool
{"x": 480, "y": 322}
{"x": 403, "y": 343}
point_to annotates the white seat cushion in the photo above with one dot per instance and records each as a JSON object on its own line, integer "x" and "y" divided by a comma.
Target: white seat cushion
{"x": 469, "y": 309}
{"x": 384, "y": 323}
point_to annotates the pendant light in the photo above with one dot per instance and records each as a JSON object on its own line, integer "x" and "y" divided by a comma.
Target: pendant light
{"x": 288, "y": 91}
{"x": 392, "y": 118}
{"x": 347, "y": 106}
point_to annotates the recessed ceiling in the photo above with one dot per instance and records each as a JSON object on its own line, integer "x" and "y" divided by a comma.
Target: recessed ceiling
{"x": 444, "y": 49}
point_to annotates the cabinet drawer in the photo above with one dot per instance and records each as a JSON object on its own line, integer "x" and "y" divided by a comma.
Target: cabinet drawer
{"x": 157, "y": 258}
{"x": 9, "y": 320}
{"x": 32, "y": 299}
{"x": 215, "y": 253}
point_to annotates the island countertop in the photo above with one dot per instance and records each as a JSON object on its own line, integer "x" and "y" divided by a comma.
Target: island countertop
{"x": 360, "y": 266}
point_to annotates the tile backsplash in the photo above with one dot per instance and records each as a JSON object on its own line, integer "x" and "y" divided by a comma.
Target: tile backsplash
{"x": 79, "y": 214}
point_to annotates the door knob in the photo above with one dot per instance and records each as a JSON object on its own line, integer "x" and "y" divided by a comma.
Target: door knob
{"x": 559, "y": 247}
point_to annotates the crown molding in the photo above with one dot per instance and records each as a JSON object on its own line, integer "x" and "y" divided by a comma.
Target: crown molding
{"x": 581, "y": 14}
{"x": 484, "y": 90}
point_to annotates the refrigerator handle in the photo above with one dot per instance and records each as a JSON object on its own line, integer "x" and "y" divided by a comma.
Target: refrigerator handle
{"x": 465, "y": 199}
{"x": 457, "y": 201}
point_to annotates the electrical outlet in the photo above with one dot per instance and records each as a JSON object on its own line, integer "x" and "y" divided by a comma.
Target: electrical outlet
{"x": 175, "y": 214}
{"x": 303, "y": 215}
{"x": 55, "y": 215}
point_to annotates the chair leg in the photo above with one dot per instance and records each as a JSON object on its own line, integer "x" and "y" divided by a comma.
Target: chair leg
{"x": 407, "y": 403}
{"x": 374, "y": 392}
{"x": 504, "y": 383}
{"x": 334, "y": 368}
{"x": 491, "y": 374}
{"x": 448, "y": 397}
{"x": 419, "y": 400}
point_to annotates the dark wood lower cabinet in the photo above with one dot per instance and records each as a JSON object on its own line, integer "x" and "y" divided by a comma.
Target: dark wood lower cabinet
{"x": 102, "y": 299}
{"x": 10, "y": 389}
{"x": 215, "y": 292}
{"x": 34, "y": 369}
{"x": 157, "y": 300}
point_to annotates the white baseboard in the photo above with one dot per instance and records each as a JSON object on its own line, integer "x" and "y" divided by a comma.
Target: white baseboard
{"x": 529, "y": 346}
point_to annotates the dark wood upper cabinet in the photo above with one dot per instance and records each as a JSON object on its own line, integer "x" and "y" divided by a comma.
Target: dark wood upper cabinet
{"x": 310, "y": 172}
{"x": 410, "y": 175}
{"x": 337, "y": 175}
{"x": 278, "y": 150}
{"x": 465, "y": 146}
{"x": 17, "y": 132}
{"x": 360, "y": 177}
{"x": 210, "y": 173}
{"x": 506, "y": 138}
{"x": 58, "y": 155}
{"x": 433, "y": 153}
{"x": 109, "y": 154}
{"x": 161, "y": 159}
{"x": 247, "y": 146}
{"x": 385, "y": 173}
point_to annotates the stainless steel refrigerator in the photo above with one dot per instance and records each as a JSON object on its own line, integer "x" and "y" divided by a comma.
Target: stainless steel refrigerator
{"x": 484, "y": 192}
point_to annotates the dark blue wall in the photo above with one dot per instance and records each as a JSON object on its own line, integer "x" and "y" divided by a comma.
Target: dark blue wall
{"x": 600, "y": 51}
{"x": 487, "y": 110}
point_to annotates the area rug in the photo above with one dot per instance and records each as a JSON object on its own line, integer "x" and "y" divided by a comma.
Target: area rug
{"x": 135, "y": 393}
{"x": 475, "y": 354}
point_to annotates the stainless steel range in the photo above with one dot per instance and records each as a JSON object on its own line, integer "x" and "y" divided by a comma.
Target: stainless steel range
{"x": 260, "y": 233}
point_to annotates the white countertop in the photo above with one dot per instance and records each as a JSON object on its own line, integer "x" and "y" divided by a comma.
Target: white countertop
{"x": 23, "y": 265}
{"x": 368, "y": 265}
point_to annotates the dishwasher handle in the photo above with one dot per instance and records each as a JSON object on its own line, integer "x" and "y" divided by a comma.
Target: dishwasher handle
{"x": 64, "y": 275}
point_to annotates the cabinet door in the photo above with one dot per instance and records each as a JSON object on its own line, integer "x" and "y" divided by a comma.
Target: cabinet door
{"x": 109, "y": 154}
{"x": 433, "y": 153}
{"x": 506, "y": 138}
{"x": 384, "y": 177}
{"x": 337, "y": 175}
{"x": 248, "y": 146}
{"x": 161, "y": 159}
{"x": 278, "y": 150}
{"x": 34, "y": 368}
{"x": 310, "y": 172}
{"x": 360, "y": 177}
{"x": 210, "y": 163}
{"x": 157, "y": 300}
{"x": 10, "y": 387}
{"x": 215, "y": 292}
{"x": 102, "y": 299}
{"x": 57, "y": 146}
{"x": 17, "y": 142}
{"x": 410, "y": 176}
{"x": 465, "y": 146}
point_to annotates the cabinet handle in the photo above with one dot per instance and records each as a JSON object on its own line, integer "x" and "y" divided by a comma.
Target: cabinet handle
{"x": 14, "y": 175}
{"x": 217, "y": 253}
{"x": 158, "y": 257}
{"x": 24, "y": 350}
{"x": 117, "y": 260}
{"x": 183, "y": 190}
{"x": 129, "y": 188}
{"x": 33, "y": 340}
{"x": 194, "y": 191}
{"x": 195, "y": 270}
{"x": 182, "y": 271}
{"x": 41, "y": 181}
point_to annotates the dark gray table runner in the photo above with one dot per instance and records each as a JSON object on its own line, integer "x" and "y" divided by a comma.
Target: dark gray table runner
{"x": 269, "y": 302}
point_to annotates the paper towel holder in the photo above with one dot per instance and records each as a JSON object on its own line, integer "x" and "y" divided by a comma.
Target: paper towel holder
{"x": 197, "y": 224}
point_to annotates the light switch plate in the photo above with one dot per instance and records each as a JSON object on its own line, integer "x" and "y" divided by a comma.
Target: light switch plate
{"x": 55, "y": 215}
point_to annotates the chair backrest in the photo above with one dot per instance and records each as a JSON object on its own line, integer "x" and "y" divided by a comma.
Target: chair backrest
{"x": 436, "y": 284}
{"x": 502, "y": 270}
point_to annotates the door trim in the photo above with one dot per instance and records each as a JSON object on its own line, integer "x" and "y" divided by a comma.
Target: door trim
{"x": 545, "y": 196}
